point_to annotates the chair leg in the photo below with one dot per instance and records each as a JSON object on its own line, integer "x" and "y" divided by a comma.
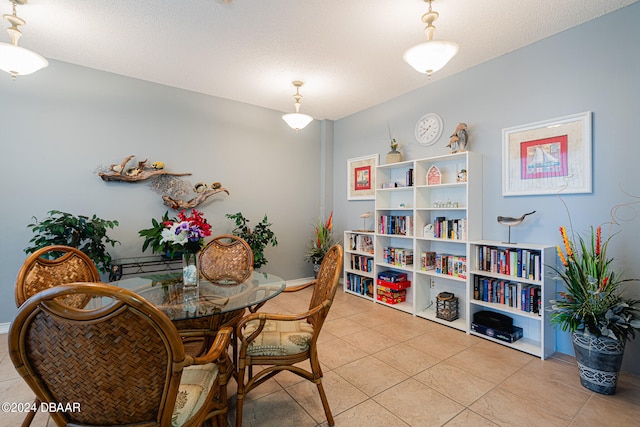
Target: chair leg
{"x": 325, "y": 403}
{"x": 240, "y": 395}
{"x": 31, "y": 414}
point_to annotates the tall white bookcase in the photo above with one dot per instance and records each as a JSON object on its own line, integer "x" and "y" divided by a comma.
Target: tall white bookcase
{"x": 456, "y": 198}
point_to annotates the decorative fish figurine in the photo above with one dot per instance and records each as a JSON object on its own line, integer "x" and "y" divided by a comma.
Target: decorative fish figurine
{"x": 510, "y": 221}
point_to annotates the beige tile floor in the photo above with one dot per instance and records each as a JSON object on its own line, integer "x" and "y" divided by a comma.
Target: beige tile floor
{"x": 386, "y": 368}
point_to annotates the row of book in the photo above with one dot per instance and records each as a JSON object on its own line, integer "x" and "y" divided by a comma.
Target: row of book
{"x": 512, "y": 294}
{"x": 361, "y": 243}
{"x": 510, "y": 261}
{"x": 453, "y": 229}
{"x": 401, "y": 225}
{"x": 360, "y": 285}
{"x": 361, "y": 263}
{"x": 451, "y": 265}
{"x": 400, "y": 257}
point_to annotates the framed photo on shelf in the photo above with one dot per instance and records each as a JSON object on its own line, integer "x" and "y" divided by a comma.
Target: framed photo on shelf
{"x": 548, "y": 157}
{"x": 361, "y": 177}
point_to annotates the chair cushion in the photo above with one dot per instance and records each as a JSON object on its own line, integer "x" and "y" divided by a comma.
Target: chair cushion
{"x": 279, "y": 338}
{"x": 195, "y": 384}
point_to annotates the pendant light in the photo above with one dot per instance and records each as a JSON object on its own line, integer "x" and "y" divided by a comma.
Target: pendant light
{"x": 297, "y": 120}
{"x": 14, "y": 59}
{"x": 432, "y": 55}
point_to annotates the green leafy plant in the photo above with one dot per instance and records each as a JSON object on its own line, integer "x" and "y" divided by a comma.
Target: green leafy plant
{"x": 153, "y": 236}
{"x": 593, "y": 300}
{"x": 87, "y": 234}
{"x": 258, "y": 238}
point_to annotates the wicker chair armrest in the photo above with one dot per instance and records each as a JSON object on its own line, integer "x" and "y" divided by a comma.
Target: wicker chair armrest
{"x": 217, "y": 349}
{"x": 300, "y": 287}
{"x": 263, "y": 317}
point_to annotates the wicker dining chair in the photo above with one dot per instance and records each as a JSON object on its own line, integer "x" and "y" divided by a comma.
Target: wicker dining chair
{"x": 225, "y": 258}
{"x": 276, "y": 342}
{"x": 40, "y": 272}
{"x": 122, "y": 364}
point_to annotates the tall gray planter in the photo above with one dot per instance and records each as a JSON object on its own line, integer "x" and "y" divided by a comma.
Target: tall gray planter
{"x": 599, "y": 361}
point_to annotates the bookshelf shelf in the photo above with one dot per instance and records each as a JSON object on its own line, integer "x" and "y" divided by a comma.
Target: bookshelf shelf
{"x": 430, "y": 314}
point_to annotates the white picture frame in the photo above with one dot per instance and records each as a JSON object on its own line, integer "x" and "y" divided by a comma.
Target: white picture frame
{"x": 548, "y": 157}
{"x": 361, "y": 177}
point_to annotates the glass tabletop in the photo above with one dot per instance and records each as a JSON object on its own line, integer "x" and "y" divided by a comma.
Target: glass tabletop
{"x": 167, "y": 293}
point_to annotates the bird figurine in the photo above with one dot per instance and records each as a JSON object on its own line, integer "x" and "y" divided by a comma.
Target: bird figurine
{"x": 458, "y": 141}
{"x": 511, "y": 221}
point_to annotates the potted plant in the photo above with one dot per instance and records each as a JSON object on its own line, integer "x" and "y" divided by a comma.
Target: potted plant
{"x": 593, "y": 308}
{"x": 86, "y": 234}
{"x": 321, "y": 242}
{"x": 259, "y": 238}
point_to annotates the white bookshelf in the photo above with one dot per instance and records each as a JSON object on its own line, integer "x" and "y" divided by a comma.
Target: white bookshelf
{"x": 538, "y": 335}
{"x": 421, "y": 204}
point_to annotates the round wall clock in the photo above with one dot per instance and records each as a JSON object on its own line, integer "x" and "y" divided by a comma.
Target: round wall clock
{"x": 429, "y": 129}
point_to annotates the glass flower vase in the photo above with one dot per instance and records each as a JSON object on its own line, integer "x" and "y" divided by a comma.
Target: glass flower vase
{"x": 190, "y": 270}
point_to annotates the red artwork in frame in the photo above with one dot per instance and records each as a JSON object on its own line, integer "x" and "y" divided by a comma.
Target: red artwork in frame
{"x": 362, "y": 178}
{"x": 544, "y": 158}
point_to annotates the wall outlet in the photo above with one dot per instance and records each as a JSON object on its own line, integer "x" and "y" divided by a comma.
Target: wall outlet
{"x": 433, "y": 283}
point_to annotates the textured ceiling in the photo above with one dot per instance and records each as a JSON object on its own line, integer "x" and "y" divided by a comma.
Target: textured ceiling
{"x": 348, "y": 52}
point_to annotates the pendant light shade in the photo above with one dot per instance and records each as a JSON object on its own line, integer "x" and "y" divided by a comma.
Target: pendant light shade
{"x": 19, "y": 61}
{"x": 14, "y": 59}
{"x": 297, "y": 120}
{"x": 432, "y": 55}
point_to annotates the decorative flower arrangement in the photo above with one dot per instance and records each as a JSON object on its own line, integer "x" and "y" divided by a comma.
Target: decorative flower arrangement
{"x": 593, "y": 301}
{"x": 186, "y": 233}
{"x": 323, "y": 241}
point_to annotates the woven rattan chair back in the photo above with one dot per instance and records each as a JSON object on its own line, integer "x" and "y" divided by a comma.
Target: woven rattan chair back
{"x": 271, "y": 355}
{"x": 40, "y": 272}
{"x": 326, "y": 283}
{"x": 121, "y": 363}
{"x": 226, "y": 257}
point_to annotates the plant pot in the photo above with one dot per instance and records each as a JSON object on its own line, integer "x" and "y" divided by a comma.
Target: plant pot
{"x": 599, "y": 361}
{"x": 316, "y": 269}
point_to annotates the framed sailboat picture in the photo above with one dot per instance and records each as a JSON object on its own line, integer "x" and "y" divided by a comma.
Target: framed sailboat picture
{"x": 548, "y": 157}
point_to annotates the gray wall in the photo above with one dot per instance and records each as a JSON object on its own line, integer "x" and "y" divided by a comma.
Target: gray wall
{"x": 59, "y": 125}
{"x": 593, "y": 67}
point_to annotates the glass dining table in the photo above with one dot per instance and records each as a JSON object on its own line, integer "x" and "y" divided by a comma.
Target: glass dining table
{"x": 167, "y": 293}
{"x": 199, "y": 312}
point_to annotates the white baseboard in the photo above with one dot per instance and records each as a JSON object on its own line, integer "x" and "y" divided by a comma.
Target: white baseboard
{"x": 4, "y": 327}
